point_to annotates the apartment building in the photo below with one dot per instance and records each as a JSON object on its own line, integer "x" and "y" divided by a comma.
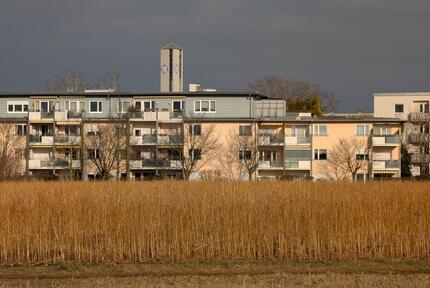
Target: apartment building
{"x": 59, "y": 134}
{"x": 413, "y": 110}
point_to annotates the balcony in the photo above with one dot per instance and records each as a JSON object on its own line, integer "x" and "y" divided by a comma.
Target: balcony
{"x": 169, "y": 139}
{"x": 276, "y": 165}
{"x": 386, "y": 165}
{"x": 420, "y": 158}
{"x": 57, "y": 115}
{"x": 298, "y": 164}
{"x": 149, "y": 139}
{"x": 419, "y": 117}
{"x": 386, "y": 140}
{"x": 156, "y": 116}
{"x": 74, "y": 115}
{"x": 67, "y": 140}
{"x": 43, "y": 140}
{"x": 152, "y": 164}
{"x": 419, "y": 138}
{"x": 49, "y": 163}
{"x": 296, "y": 140}
{"x": 270, "y": 140}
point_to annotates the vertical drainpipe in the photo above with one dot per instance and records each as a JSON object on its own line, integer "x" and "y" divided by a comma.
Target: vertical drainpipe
{"x": 283, "y": 150}
{"x": 54, "y": 149}
{"x": 127, "y": 143}
{"x": 156, "y": 140}
{"x": 27, "y": 147}
{"x": 311, "y": 135}
{"x": 400, "y": 151}
{"x": 84, "y": 170}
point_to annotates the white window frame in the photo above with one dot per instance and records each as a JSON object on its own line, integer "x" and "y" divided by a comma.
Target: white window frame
{"x": 317, "y": 130}
{"x": 182, "y": 105}
{"x": 99, "y": 105}
{"x": 77, "y": 105}
{"x": 365, "y": 130}
{"x": 242, "y": 129}
{"x": 23, "y": 129}
{"x": 319, "y": 153}
{"x": 121, "y": 104}
{"x": 142, "y": 105}
{"x": 40, "y": 106}
{"x": 17, "y": 103}
{"x": 399, "y": 104}
{"x": 210, "y": 105}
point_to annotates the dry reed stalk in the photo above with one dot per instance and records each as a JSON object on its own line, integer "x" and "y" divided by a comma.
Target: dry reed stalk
{"x": 169, "y": 221}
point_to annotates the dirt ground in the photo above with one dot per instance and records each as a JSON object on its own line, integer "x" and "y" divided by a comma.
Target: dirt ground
{"x": 223, "y": 274}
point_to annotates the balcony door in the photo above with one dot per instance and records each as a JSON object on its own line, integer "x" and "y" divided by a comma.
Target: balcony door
{"x": 300, "y": 131}
{"x": 44, "y": 106}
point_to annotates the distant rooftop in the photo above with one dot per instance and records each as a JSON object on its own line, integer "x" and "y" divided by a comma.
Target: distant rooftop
{"x": 409, "y": 94}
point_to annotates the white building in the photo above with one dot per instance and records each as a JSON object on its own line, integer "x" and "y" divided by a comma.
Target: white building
{"x": 413, "y": 108}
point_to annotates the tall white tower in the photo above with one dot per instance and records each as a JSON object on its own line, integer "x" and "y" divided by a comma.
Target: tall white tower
{"x": 171, "y": 69}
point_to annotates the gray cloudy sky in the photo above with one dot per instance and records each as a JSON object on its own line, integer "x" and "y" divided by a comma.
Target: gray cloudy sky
{"x": 350, "y": 47}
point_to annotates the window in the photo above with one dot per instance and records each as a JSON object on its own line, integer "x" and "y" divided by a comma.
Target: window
{"x": 17, "y": 106}
{"x": 362, "y": 130}
{"x": 362, "y": 156}
{"x": 245, "y": 130}
{"x": 361, "y": 177}
{"x": 71, "y": 130}
{"x": 320, "y": 154}
{"x": 174, "y": 154}
{"x": 144, "y": 105}
{"x": 204, "y": 106}
{"x": 195, "y": 129}
{"x": 398, "y": 108}
{"x": 72, "y": 106}
{"x": 245, "y": 154}
{"x": 21, "y": 129}
{"x": 96, "y": 106}
{"x": 321, "y": 130}
{"x": 177, "y": 106}
{"x": 123, "y": 106}
{"x": 300, "y": 132}
{"x": 267, "y": 155}
{"x": 20, "y": 153}
{"x": 93, "y": 154}
{"x": 381, "y": 131}
{"x": 44, "y": 106}
{"x": 195, "y": 154}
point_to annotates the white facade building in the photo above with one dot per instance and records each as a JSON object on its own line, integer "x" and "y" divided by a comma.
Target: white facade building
{"x": 413, "y": 108}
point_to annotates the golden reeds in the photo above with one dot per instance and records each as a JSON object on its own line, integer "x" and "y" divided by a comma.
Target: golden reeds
{"x": 170, "y": 221}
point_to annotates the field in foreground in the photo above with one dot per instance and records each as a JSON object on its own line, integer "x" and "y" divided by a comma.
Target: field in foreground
{"x": 47, "y": 223}
{"x": 365, "y": 274}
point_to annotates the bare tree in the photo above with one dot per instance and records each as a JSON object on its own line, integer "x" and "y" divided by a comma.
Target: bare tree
{"x": 298, "y": 94}
{"x": 228, "y": 163}
{"x": 200, "y": 145}
{"x": 104, "y": 147}
{"x": 76, "y": 81}
{"x": 10, "y": 145}
{"x": 347, "y": 158}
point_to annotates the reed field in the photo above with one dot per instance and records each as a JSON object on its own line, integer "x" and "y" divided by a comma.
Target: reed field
{"x": 110, "y": 222}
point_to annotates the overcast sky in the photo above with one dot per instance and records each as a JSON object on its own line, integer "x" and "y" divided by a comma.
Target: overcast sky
{"x": 352, "y": 48}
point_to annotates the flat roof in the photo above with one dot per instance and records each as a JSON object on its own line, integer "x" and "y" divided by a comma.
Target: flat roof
{"x": 136, "y": 93}
{"x": 409, "y": 94}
